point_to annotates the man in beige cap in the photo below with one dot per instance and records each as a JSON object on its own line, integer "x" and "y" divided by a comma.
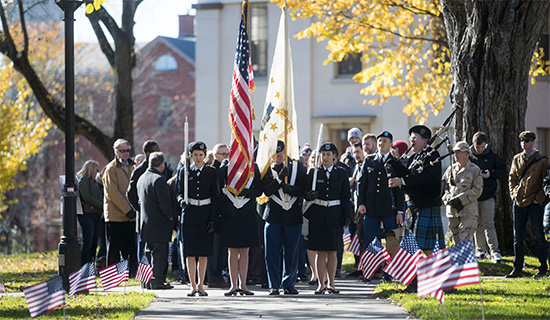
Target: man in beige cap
{"x": 525, "y": 182}
{"x": 463, "y": 185}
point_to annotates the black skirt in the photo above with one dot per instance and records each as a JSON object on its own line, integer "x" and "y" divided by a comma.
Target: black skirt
{"x": 239, "y": 232}
{"x": 196, "y": 241}
{"x": 324, "y": 238}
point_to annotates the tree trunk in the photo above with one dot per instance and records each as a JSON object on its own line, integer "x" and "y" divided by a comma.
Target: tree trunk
{"x": 491, "y": 45}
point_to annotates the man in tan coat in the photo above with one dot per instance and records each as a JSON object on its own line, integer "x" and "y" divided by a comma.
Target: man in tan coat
{"x": 463, "y": 185}
{"x": 119, "y": 216}
{"x": 525, "y": 182}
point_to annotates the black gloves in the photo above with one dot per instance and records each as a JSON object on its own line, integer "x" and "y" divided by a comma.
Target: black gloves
{"x": 210, "y": 226}
{"x": 456, "y": 203}
{"x": 183, "y": 204}
{"x": 311, "y": 195}
{"x": 286, "y": 188}
{"x": 346, "y": 222}
{"x": 131, "y": 214}
{"x": 285, "y": 172}
{"x": 244, "y": 192}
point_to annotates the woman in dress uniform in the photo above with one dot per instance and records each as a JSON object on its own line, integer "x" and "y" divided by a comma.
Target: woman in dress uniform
{"x": 198, "y": 214}
{"x": 239, "y": 227}
{"x": 329, "y": 212}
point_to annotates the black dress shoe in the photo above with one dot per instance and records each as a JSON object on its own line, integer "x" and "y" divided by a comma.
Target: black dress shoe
{"x": 291, "y": 290}
{"x": 320, "y": 291}
{"x": 273, "y": 292}
{"x": 192, "y": 293}
{"x": 230, "y": 293}
{"x": 516, "y": 273}
{"x": 313, "y": 282}
{"x": 245, "y": 292}
{"x": 161, "y": 286}
{"x": 332, "y": 290}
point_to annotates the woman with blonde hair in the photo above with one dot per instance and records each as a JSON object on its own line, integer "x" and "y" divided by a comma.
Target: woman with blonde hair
{"x": 91, "y": 196}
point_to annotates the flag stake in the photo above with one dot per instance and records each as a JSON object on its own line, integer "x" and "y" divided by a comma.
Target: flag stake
{"x": 481, "y": 299}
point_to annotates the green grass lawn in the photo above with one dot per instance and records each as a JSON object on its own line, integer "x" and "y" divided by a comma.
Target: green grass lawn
{"x": 20, "y": 271}
{"x": 524, "y": 298}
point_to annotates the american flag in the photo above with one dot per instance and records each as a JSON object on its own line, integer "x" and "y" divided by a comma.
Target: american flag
{"x": 241, "y": 152}
{"x": 2, "y": 288}
{"x": 355, "y": 245}
{"x": 346, "y": 238}
{"x": 114, "y": 274}
{"x": 373, "y": 257}
{"x": 82, "y": 279}
{"x": 448, "y": 269}
{"x": 439, "y": 294}
{"x": 403, "y": 263}
{"x": 45, "y": 296}
{"x": 144, "y": 271}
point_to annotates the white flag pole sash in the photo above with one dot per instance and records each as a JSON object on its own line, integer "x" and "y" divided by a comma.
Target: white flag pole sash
{"x": 289, "y": 201}
{"x": 238, "y": 201}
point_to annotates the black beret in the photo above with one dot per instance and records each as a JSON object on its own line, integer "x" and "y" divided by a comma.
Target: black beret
{"x": 280, "y": 146}
{"x": 385, "y": 134}
{"x": 328, "y": 146}
{"x": 197, "y": 145}
{"x": 422, "y": 130}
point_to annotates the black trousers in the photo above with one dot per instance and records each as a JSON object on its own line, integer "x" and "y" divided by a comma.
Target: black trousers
{"x": 122, "y": 244}
{"x": 157, "y": 254}
{"x": 218, "y": 261}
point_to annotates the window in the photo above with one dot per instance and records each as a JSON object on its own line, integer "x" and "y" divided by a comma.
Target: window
{"x": 350, "y": 66}
{"x": 258, "y": 39}
{"x": 542, "y": 143}
{"x": 166, "y": 63}
{"x": 164, "y": 115}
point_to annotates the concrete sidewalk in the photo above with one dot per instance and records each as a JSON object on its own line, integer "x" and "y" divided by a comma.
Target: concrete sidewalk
{"x": 356, "y": 300}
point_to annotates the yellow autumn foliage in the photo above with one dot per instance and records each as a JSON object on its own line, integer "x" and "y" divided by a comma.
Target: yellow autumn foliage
{"x": 21, "y": 132}
{"x": 402, "y": 44}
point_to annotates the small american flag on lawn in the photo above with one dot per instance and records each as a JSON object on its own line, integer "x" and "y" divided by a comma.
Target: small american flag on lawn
{"x": 82, "y": 279}
{"x": 114, "y": 274}
{"x": 144, "y": 271}
{"x": 403, "y": 263}
{"x": 346, "y": 238}
{"x": 439, "y": 294}
{"x": 373, "y": 257}
{"x": 45, "y": 296}
{"x": 2, "y": 288}
{"x": 355, "y": 245}
{"x": 448, "y": 269}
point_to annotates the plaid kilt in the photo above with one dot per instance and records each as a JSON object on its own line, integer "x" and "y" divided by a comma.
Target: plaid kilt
{"x": 427, "y": 225}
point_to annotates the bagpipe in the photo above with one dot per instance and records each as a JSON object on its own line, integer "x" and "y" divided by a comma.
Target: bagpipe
{"x": 398, "y": 168}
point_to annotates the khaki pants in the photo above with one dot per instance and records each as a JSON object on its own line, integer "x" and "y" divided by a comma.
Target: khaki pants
{"x": 486, "y": 236}
{"x": 463, "y": 228}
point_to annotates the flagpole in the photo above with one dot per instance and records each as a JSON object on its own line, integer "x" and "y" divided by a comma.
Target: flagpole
{"x": 285, "y": 114}
{"x": 481, "y": 299}
{"x": 97, "y": 296}
{"x": 64, "y": 307}
{"x": 124, "y": 295}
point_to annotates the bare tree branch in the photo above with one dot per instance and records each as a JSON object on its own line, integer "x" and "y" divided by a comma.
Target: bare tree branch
{"x": 23, "y": 28}
{"x": 412, "y": 9}
{"x": 7, "y": 45}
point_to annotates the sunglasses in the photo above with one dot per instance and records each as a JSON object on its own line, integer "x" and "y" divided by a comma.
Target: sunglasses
{"x": 525, "y": 140}
{"x": 124, "y": 150}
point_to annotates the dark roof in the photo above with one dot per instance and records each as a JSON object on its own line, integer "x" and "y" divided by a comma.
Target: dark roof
{"x": 186, "y": 45}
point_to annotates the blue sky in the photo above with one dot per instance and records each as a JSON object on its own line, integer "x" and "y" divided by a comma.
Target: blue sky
{"x": 153, "y": 18}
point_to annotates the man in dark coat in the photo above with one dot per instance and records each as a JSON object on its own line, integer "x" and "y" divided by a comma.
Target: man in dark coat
{"x": 283, "y": 183}
{"x": 492, "y": 169}
{"x": 157, "y": 218}
{"x": 376, "y": 201}
{"x": 148, "y": 147}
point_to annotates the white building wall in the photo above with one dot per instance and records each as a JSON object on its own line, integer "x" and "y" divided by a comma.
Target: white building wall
{"x": 320, "y": 97}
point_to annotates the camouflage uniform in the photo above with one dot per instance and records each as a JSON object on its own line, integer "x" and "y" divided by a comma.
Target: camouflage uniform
{"x": 466, "y": 184}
